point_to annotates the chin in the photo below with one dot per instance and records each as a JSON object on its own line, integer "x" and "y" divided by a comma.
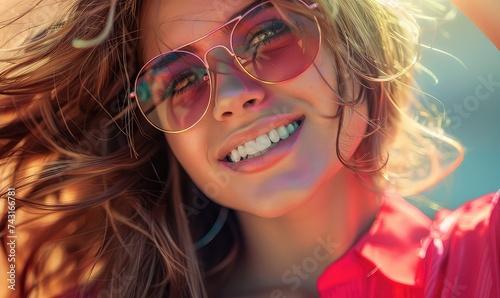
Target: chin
{"x": 280, "y": 204}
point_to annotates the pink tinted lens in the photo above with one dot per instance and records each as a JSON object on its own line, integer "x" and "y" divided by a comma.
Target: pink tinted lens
{"x": 171, "y": 91}
{"x": 274, "y": 46}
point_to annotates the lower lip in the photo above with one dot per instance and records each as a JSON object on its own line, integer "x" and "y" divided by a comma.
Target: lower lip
{"x": 266, "y": 160}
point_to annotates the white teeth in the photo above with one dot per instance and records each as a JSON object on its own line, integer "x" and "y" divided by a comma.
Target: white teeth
{"x": 242, "y": 151}
{"x": 263, "y": 142}
{"x": 251, "y": 147}
{"x": 235, "y": 156}
{"x": 282, "y": 132}
{"x": 273, "y": 136}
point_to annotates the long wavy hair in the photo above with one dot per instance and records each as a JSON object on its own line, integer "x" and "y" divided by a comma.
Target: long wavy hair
{"x": 103, "y": 207}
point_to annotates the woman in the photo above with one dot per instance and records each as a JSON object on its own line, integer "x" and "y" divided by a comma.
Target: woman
{"x": 120, "y": 118}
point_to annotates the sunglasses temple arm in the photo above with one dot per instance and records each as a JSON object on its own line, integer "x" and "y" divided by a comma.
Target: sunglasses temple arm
{"x": 310, "y": 6}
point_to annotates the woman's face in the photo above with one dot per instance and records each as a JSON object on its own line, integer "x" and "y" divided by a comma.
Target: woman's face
{"x": 244, "y": 110}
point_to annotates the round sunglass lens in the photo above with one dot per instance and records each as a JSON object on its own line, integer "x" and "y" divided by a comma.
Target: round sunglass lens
{"x": 172, "y": 92}
{"x": 274, "y": 46}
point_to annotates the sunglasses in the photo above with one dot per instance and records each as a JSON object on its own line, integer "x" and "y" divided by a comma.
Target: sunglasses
{"x": 174, "y": 89}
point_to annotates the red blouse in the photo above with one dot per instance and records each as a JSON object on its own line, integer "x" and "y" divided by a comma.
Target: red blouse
{"x": 405, "y": 254}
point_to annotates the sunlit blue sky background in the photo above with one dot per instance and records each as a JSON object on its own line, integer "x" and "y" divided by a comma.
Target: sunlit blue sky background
{"x": 478, "y": 126}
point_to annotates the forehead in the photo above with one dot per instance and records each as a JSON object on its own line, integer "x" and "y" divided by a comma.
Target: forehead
{"x": 167, "y": 24}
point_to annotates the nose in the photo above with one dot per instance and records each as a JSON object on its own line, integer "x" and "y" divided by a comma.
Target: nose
{"x": 234, "y": 92}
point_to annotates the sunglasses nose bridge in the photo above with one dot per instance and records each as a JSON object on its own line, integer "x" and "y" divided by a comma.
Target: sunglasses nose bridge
{"x": 218, "y": 56}
{"x": 222, "y": 60}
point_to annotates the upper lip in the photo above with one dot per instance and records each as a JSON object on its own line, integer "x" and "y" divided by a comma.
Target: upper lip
{"x": 258, "y": 128}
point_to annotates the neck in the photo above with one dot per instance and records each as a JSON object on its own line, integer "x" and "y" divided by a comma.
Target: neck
{"x": 293, "y": 250}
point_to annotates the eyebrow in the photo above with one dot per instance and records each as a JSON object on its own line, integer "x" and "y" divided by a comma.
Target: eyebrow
{"x": 245, "y": 9}
{"x": 191, "y": 48}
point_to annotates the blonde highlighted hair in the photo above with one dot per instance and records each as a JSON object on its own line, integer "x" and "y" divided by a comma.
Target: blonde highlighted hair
{"x": 102, "y": 202}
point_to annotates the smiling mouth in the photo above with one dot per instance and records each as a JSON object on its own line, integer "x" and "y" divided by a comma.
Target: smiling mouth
{"x": 263, "y": 143}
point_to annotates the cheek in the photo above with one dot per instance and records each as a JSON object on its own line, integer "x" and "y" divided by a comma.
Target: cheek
{"x": 190, "y": 151}
{"x": 353, "y": 129}
{"x": 355, "y": 123}
{"x": 316, "y": 88}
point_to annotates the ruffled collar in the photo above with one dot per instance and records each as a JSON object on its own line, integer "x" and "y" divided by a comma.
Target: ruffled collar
{"x": 391, "y": 246}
